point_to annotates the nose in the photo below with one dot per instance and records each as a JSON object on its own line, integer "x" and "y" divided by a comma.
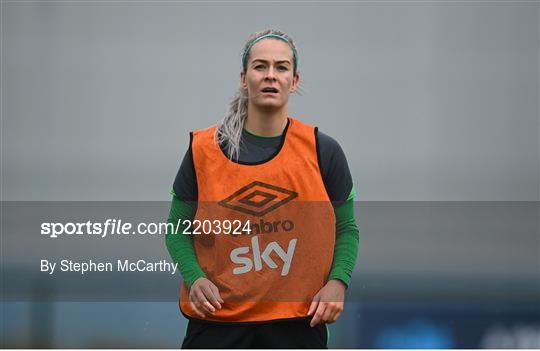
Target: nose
{"x": 270, "y": 75}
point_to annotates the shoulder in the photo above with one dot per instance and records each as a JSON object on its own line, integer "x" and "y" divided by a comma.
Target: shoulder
{"x": 324, "y": 141}
{"x": 329, "y": 147}
{"x": 209, "y": 129}
{"x": 203, "y": 133}
{"x": 334, "y": 168}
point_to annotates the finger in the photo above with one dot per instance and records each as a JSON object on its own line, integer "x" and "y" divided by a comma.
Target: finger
{"x": 337, "y": 313}
{"x": 334, "y": 317}
{"x": 313, "y": 305}
{"x": 198, "y": 306}
{"x": 211, "y": 297}
{"x": 197, "y": 311}
{"x": 209, "y": 307}
{"x": 215, "y": 290}
{"x": 328, "y": 312}
{"x": 195, "y": 303}
{"x": 318, "y": 314}
{"x": 205, "y": 305}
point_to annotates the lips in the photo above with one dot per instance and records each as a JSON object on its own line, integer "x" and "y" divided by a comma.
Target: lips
{"x": 270, "y": 90}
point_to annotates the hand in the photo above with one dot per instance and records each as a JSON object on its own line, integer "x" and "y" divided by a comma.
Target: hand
{"x": 327, "y": 305}
{"x": 204, "y": 297}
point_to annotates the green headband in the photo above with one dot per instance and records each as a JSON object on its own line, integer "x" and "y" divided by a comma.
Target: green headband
{"x": 271, "y": 35}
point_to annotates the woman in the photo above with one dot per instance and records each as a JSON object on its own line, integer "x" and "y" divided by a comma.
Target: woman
{"x": 278, "y": 285}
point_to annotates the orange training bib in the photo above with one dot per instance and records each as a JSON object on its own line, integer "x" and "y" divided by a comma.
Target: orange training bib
{"x": 274, "y": 271}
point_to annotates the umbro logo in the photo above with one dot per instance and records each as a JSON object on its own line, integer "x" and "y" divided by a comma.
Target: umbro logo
{"x": 258, "y": 198}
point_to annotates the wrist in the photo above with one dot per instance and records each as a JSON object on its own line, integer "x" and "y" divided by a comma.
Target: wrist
{"x": 194, "y": 279}
{"x": 338, "y": 282}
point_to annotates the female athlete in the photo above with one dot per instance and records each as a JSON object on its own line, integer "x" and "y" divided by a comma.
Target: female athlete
{"x": 281, "y": 279}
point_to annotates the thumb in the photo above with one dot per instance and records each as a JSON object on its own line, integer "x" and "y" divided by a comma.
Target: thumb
{"x": 314, "y": 304}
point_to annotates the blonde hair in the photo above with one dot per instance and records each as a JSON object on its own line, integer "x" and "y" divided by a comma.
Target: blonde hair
{"x": 229, "y": 129}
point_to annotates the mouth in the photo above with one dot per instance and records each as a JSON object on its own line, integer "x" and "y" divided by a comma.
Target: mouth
{"x": 270, "y": 91}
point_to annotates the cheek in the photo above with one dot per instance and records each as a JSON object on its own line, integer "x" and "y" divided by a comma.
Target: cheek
{"x": 288, "y": 80}
{"x": 253, "y": 80}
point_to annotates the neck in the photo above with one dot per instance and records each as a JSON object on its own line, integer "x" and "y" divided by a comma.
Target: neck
{"x": 266, "y": 123}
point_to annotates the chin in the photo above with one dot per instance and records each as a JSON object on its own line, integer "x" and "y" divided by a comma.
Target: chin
{"x": 270, "y": 107}
{"x": 271, "y": 104}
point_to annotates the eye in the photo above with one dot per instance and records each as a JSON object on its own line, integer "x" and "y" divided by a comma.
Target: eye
{"x": 283, "y": 68}
{"x": 259, "y": 67}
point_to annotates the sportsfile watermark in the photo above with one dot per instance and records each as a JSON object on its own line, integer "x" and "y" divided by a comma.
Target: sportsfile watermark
{"x": 60, "y": 265}
{"x": 189, "y": 227}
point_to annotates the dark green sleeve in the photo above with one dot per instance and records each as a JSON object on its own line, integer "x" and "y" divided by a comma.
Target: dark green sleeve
{"x": 347, "y": 240}
{"x": 180, "y": 246}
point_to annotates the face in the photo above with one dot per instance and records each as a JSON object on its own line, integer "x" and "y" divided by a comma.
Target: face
{"x": 270, "y": 65}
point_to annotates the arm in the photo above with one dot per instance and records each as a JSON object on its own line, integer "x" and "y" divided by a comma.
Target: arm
{"x": 347, "y": 241}
{"x": 328, "y": 303}
{"x": 180, "y": 246}
{"x": 203, "y": 294}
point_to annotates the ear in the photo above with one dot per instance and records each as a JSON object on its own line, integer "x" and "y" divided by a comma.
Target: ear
{"x": 295, "y": 81}
{"x": 243, "y": 82}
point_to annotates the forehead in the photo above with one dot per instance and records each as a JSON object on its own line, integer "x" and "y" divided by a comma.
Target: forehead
{"x": 271, "y": 50}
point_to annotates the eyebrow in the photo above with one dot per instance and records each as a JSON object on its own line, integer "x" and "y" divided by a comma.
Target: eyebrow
{"x": 278, "y": 62}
